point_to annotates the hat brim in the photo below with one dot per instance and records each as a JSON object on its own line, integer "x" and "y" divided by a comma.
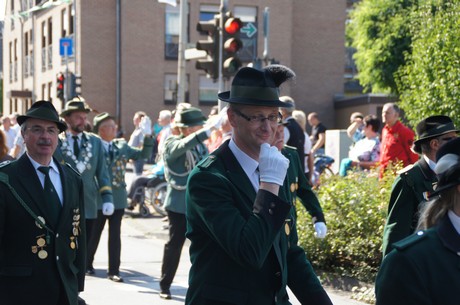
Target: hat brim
{"x": 419, "y": 141}
{"x": 225, "y": 96}
{"x": 192, "y": 124}
{"x": 22, "y": 118}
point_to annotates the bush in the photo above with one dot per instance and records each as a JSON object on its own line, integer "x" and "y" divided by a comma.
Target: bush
{"x": 355, "y": 208}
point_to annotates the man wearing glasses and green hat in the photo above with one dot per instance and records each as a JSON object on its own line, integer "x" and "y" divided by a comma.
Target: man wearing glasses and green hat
{"x": 240, "y": 220}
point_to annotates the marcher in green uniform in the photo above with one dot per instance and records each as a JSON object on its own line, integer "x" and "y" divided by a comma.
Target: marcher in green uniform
{"x": 423, "y": 269}
{"x": 416, "y": 181}
{"x": 181, "y": 154}
{"x": 42, "y": 224}
{"x": 117, "y": 154}
{"x": 299, "y": 186}
{"x": 244, "y": 246}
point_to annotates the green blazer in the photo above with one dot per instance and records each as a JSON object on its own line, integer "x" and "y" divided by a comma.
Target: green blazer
{"x": 95, "y": 175}
{"x": 116, "y": 164}
{"x": 299, "y": 186}
{"x": 25, "y": 278}
{"x": 180, "y": 155}
{"x": 424, "y": 269}
{"x": 409, "y": 190}
{"x": 243, "y": 244}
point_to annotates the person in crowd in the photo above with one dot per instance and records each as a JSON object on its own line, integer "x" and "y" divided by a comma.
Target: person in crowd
{"x": 298, "y": 185}
{"x": 4, "y": 156}
{"x": 85, "y": 153}
{"x": 301, "y": 119}
{"x": 415, "y": 182}
{"x": 117, "y": 154}
{"x": 365, "y": 154}
{"x": 181, "y": 154}
{"x": 318, "y": 134}
{"x": 239, "y": 216}
{"x": 41, "y": 218}
{"x": 135, "y": 140}
{"x": 10, "y": 133}
{"x": 355, "y": 130}
{"x": 222, "y": 133}
{"x": 164, "y": 120}
{"x": 293, "y": 133}
{"x": 396, "y": 141}
{"x": 422, "y": 269}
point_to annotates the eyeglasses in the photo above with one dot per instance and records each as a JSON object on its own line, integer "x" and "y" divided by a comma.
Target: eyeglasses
{"x": 38, "y": 131}
{"x": 446, "y": 139}
{"x": 273, "y": 119}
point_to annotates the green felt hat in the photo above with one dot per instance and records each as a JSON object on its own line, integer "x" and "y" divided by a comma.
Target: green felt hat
{"x": 76, "y": 104}
{"x": 98, "y": 119}
{"x": 431, "y": 127}
{"x": 189, "y": 117}
{"x": 43, "y": 110}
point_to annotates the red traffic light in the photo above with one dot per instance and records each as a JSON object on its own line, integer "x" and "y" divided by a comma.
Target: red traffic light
{"x": 232, "y": 45}
{"x": 233, "y": 25}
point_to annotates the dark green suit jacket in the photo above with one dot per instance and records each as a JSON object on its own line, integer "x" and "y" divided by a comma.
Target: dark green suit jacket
{"x": 406, "y": 195}
{"x": 25, "y": 278}
{"x": 243, "y": 244}
{"x": 423, "y": 269}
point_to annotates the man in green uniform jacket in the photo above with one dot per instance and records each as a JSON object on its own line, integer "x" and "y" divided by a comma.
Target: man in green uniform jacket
{"x": 239, "y": 217}
{"x": 42, "y": 246}
{"x": 415, "y": 182}
{"x": 117, "y": 154}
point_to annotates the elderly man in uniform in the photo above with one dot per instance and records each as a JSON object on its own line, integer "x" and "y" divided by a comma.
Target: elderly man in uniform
{"x": 84, "y": 152}
{"x": 117, "y": 154}
{"x": 42, "y": 227}
{"x": 240, "y": 220}
{"x": 415, "y": 182}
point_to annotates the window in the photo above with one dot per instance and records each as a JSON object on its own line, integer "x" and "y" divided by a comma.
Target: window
{"x": 172, "y": 29}
{"x": 71, "y": 18}
{"x": 207, "y": 12}
{"x": 208, "y": 91}
{"x": 64, "y": 23}
{"x": 170, "y": 89}
{"x": 50, "y": 89}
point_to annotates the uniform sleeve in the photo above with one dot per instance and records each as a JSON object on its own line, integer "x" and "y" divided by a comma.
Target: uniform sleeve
{"x": 135, "y": 153}
{"x": 102, "y": 173}
{"x": 400, "y": 213}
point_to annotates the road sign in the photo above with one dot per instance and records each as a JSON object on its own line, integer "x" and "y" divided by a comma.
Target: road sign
{"x": 66, "y": 46}
{"x": 249, "y": 29}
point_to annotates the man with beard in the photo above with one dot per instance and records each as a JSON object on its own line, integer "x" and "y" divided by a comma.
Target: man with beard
{"x": 85, "y": 153}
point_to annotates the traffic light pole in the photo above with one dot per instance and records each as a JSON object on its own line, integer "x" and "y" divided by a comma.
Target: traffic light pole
{"x": 181, "y": 75}
{"x": 223, "y": 9}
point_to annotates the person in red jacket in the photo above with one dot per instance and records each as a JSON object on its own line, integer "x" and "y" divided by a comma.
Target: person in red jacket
{"x": 397, "y": 139}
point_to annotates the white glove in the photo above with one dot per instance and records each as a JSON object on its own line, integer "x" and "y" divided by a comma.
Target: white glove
{"x": 321, "y": 230}
{"x": 146, "y": 126}
{"x": 272, "y": 164}
{"x": 108, "y": 208}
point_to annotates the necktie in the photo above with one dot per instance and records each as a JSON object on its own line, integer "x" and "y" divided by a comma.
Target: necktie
{"x": 76, "y": 148}
{"x": 52, "y": 203}
{"x": 111, "y": 151}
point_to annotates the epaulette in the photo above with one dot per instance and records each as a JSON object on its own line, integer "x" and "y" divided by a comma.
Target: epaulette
{"x": 409, "y": 241}
{"x": 5, "y": 163}
{"x": 73, "y": 169}
{"x": 404, "y": 170}
{"x": 206, "y": 162}
{"x": 290, "y": 147}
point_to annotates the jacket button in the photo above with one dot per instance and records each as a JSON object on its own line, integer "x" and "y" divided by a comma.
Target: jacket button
{"x": 57, "y": 257}
{"x": 270, "y": 211}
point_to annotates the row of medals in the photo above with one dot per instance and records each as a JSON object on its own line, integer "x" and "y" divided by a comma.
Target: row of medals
{"x": 42, "y": 239}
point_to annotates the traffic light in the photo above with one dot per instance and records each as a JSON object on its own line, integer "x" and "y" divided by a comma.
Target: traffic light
{"x": 231, "y": 45}
{"x": 75, "y": 86}
{"x": 210, "y": 64}
{"x": 60, "y": 86}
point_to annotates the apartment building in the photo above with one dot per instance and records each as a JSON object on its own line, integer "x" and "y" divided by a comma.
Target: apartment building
{"x": 126, "y": 52}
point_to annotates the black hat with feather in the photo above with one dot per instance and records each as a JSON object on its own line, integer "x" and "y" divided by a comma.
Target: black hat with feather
{"x": 258, "y": 87}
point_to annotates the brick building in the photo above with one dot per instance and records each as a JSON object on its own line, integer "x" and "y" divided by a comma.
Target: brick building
{"x": 126, "y": 52}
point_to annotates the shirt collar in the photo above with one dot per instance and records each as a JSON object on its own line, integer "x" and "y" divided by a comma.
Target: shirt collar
{"x": 430, "y": 162}
{"x": 248, "y": 164}
{"x": 36, "y": 165}
{"x": 455, "y": 219}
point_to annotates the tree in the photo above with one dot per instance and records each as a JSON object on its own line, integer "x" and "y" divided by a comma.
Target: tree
{"x": 430, "y": 82}
{"x": 379, "y": 31}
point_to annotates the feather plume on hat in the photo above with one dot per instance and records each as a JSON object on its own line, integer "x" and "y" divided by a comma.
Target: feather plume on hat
{"x": 280, "y": 74}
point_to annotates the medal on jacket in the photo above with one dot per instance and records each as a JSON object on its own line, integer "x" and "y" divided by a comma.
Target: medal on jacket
{"x": 72, "y": 242}
{"x": 39, "y": 248}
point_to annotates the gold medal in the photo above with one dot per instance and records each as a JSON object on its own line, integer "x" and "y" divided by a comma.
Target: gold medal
{"x": 76, "y": 217}
{"x": 292, "y": 187}
{"x": 38, "y": 223}
{"x": 287, "y": 228}
{"x": 75, "y": 231}
{"x": 296, "y": 186}
{"x": 72, "y": 245}
{"x": 41, "y": 242}
{"x": 34, "y": 249}
{"x": 42, "y": 254}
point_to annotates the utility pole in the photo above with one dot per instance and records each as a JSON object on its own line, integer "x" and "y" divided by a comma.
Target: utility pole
{"x": 181, "y": 72}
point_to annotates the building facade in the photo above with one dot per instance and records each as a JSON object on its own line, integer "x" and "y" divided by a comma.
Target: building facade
{"x": 124, "y": 53}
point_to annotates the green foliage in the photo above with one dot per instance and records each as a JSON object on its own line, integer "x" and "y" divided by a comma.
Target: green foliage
{"x": 379, "y": 31}
{"x": 430, "y": 82}
{"x": 355, "y": 208}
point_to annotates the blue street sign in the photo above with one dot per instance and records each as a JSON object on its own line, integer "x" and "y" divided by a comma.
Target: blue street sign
{"x": 66, "y": 47}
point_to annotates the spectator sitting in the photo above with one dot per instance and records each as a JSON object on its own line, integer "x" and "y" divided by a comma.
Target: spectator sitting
{"x": 366, "y": 152}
